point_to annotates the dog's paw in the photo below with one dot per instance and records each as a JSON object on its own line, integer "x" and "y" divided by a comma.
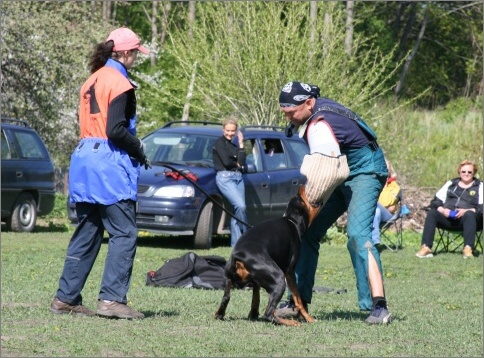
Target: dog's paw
{"x": 219, "y": 316}
{"x": 253, "y": 316}
{"x": 310, "y": 319}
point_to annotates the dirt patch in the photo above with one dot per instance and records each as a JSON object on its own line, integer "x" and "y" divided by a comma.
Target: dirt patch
{"x": 417, "y": 200}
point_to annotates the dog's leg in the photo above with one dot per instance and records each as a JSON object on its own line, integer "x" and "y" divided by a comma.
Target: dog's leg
{"x": 275, "y": 286}
{"x": 220, "y": 313}
{"x": 291, "y": 283}
{"x": 254, "y": 308}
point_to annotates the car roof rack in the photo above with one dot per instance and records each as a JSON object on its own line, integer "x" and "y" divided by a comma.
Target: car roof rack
{"x": 18, "y": 122}
{"x": 204, "y": 123}
{"x": 244, "y": 127}
{"x": 256, "y": 126}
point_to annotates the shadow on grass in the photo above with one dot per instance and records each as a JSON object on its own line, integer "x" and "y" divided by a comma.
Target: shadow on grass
{"x": 46, "y": 225}
{"x": 348, "y": 316}
{"x": 53, "y": 227}
{"x": 144, "y": 239}
{"x": 327, "y": 317}
{"x": 178, "y": 242}
{"x": 148, "y": 314}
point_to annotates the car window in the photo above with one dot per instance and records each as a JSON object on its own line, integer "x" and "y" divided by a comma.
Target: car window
{"x": 178, "y": 147}
{"x": 30, "y": 147}
{"x": 5, "y": 149}
{"x": 275, "y": 156}
{"x": 300, "y": 149}
{"x": 252, "y": 156}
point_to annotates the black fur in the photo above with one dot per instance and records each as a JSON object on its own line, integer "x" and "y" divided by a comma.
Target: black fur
{"x": 266, "y": 256}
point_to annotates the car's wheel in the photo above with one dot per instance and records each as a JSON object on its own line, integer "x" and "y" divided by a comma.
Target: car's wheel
{"x": 202, "y": 239}
{"x": 24, "y": 214}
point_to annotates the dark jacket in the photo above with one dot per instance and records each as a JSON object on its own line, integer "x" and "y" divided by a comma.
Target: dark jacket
{"x": 460, "y": 198}
{"x": 226, "y": 155}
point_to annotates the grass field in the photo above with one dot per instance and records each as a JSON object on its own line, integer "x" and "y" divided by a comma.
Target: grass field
{"x": 437, "y": 305}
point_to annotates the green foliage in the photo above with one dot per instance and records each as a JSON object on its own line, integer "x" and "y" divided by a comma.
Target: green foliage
{"x": 438, "y": 314}
{"x": 59, "y": 210}
{"x": 244, "y": 52}
{"x": 161, "y": 93}
{"x": 44, "y": 51}
{"x": 449, "y": 57}
{"x": 57, "y": 219}
{"x": 455, "y": 111}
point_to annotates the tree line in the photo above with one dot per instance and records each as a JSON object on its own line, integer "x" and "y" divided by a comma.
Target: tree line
{"x": 209, "y": 59}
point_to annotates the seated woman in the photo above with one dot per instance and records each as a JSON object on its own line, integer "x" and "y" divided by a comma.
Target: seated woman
{"x": 387, "y": 203}
{"x": 456, "y": 206}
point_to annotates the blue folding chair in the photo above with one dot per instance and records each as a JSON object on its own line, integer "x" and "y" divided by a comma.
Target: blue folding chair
{"x": 391, "y": 231}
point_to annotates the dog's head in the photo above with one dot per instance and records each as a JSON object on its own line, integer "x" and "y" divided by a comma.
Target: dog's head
{"x": 300, "y": 210}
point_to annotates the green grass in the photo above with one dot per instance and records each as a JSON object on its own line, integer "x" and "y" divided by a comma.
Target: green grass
{"x": 436, "y": 303}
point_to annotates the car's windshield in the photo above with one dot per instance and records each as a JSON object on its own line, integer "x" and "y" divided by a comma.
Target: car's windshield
{"x": 180, "y": 148}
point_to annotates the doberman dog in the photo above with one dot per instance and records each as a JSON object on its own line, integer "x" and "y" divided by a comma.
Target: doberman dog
{"x": 265, "y": 256}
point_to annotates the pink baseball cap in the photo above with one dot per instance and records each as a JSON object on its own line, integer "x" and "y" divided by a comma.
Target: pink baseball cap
{"x": 124, "y": 39}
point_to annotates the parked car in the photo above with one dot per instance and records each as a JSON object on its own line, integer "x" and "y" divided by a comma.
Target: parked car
{"x": 168, "y": 203}
{"x": 28, "y": 179}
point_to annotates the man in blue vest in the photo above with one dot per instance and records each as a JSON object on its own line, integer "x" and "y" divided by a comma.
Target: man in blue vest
{"x": 332, "y": 130}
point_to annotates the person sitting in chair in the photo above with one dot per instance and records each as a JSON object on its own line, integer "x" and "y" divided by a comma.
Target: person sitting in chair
{"x": 456, "y": 206}
{"x": 387, "y": 203}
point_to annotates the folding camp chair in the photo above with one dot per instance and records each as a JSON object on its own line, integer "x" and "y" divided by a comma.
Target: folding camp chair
{"x": 453, "y": 241}
{"x": 395, "y": 224}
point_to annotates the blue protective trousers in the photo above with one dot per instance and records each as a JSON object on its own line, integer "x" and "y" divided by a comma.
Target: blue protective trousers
{"x": 119, "y": 221}
{"x": 358, "y": 195}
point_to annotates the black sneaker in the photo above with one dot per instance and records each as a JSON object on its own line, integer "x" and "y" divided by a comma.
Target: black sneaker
{"x": 287, "y": 309}
{"x": 379, "y": 315}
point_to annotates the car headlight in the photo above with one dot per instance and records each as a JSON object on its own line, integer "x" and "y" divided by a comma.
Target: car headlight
{"x": 175, "y": 191}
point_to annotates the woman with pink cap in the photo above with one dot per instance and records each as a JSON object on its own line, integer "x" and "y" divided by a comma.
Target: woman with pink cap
{"x": 103, "y": 179}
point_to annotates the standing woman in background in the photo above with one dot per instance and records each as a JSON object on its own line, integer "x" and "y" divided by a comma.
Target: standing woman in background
{"x": 229, "y": 162}
{"x": 103, "y": 180}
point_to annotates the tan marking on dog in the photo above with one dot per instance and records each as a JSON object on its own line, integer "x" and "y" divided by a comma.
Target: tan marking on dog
{"x": 241, "y": 271}
{"x": 312, "y": 211}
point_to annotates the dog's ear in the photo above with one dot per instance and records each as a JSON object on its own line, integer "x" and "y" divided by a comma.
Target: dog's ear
{"x": 312, "y": 210}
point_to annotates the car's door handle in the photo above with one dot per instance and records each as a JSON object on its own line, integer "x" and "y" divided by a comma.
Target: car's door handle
{"x": 264, "y": 185}
{"x": 295, "y": 182}
{"x": 19, "y": 174}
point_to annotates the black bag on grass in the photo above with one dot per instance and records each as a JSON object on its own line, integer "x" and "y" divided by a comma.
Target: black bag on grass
{"x": 190, "y": 271}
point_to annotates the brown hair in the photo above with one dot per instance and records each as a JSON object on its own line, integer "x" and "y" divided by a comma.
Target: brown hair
{"x": 102, "y": 52}
{"x": 467, "y": 162}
